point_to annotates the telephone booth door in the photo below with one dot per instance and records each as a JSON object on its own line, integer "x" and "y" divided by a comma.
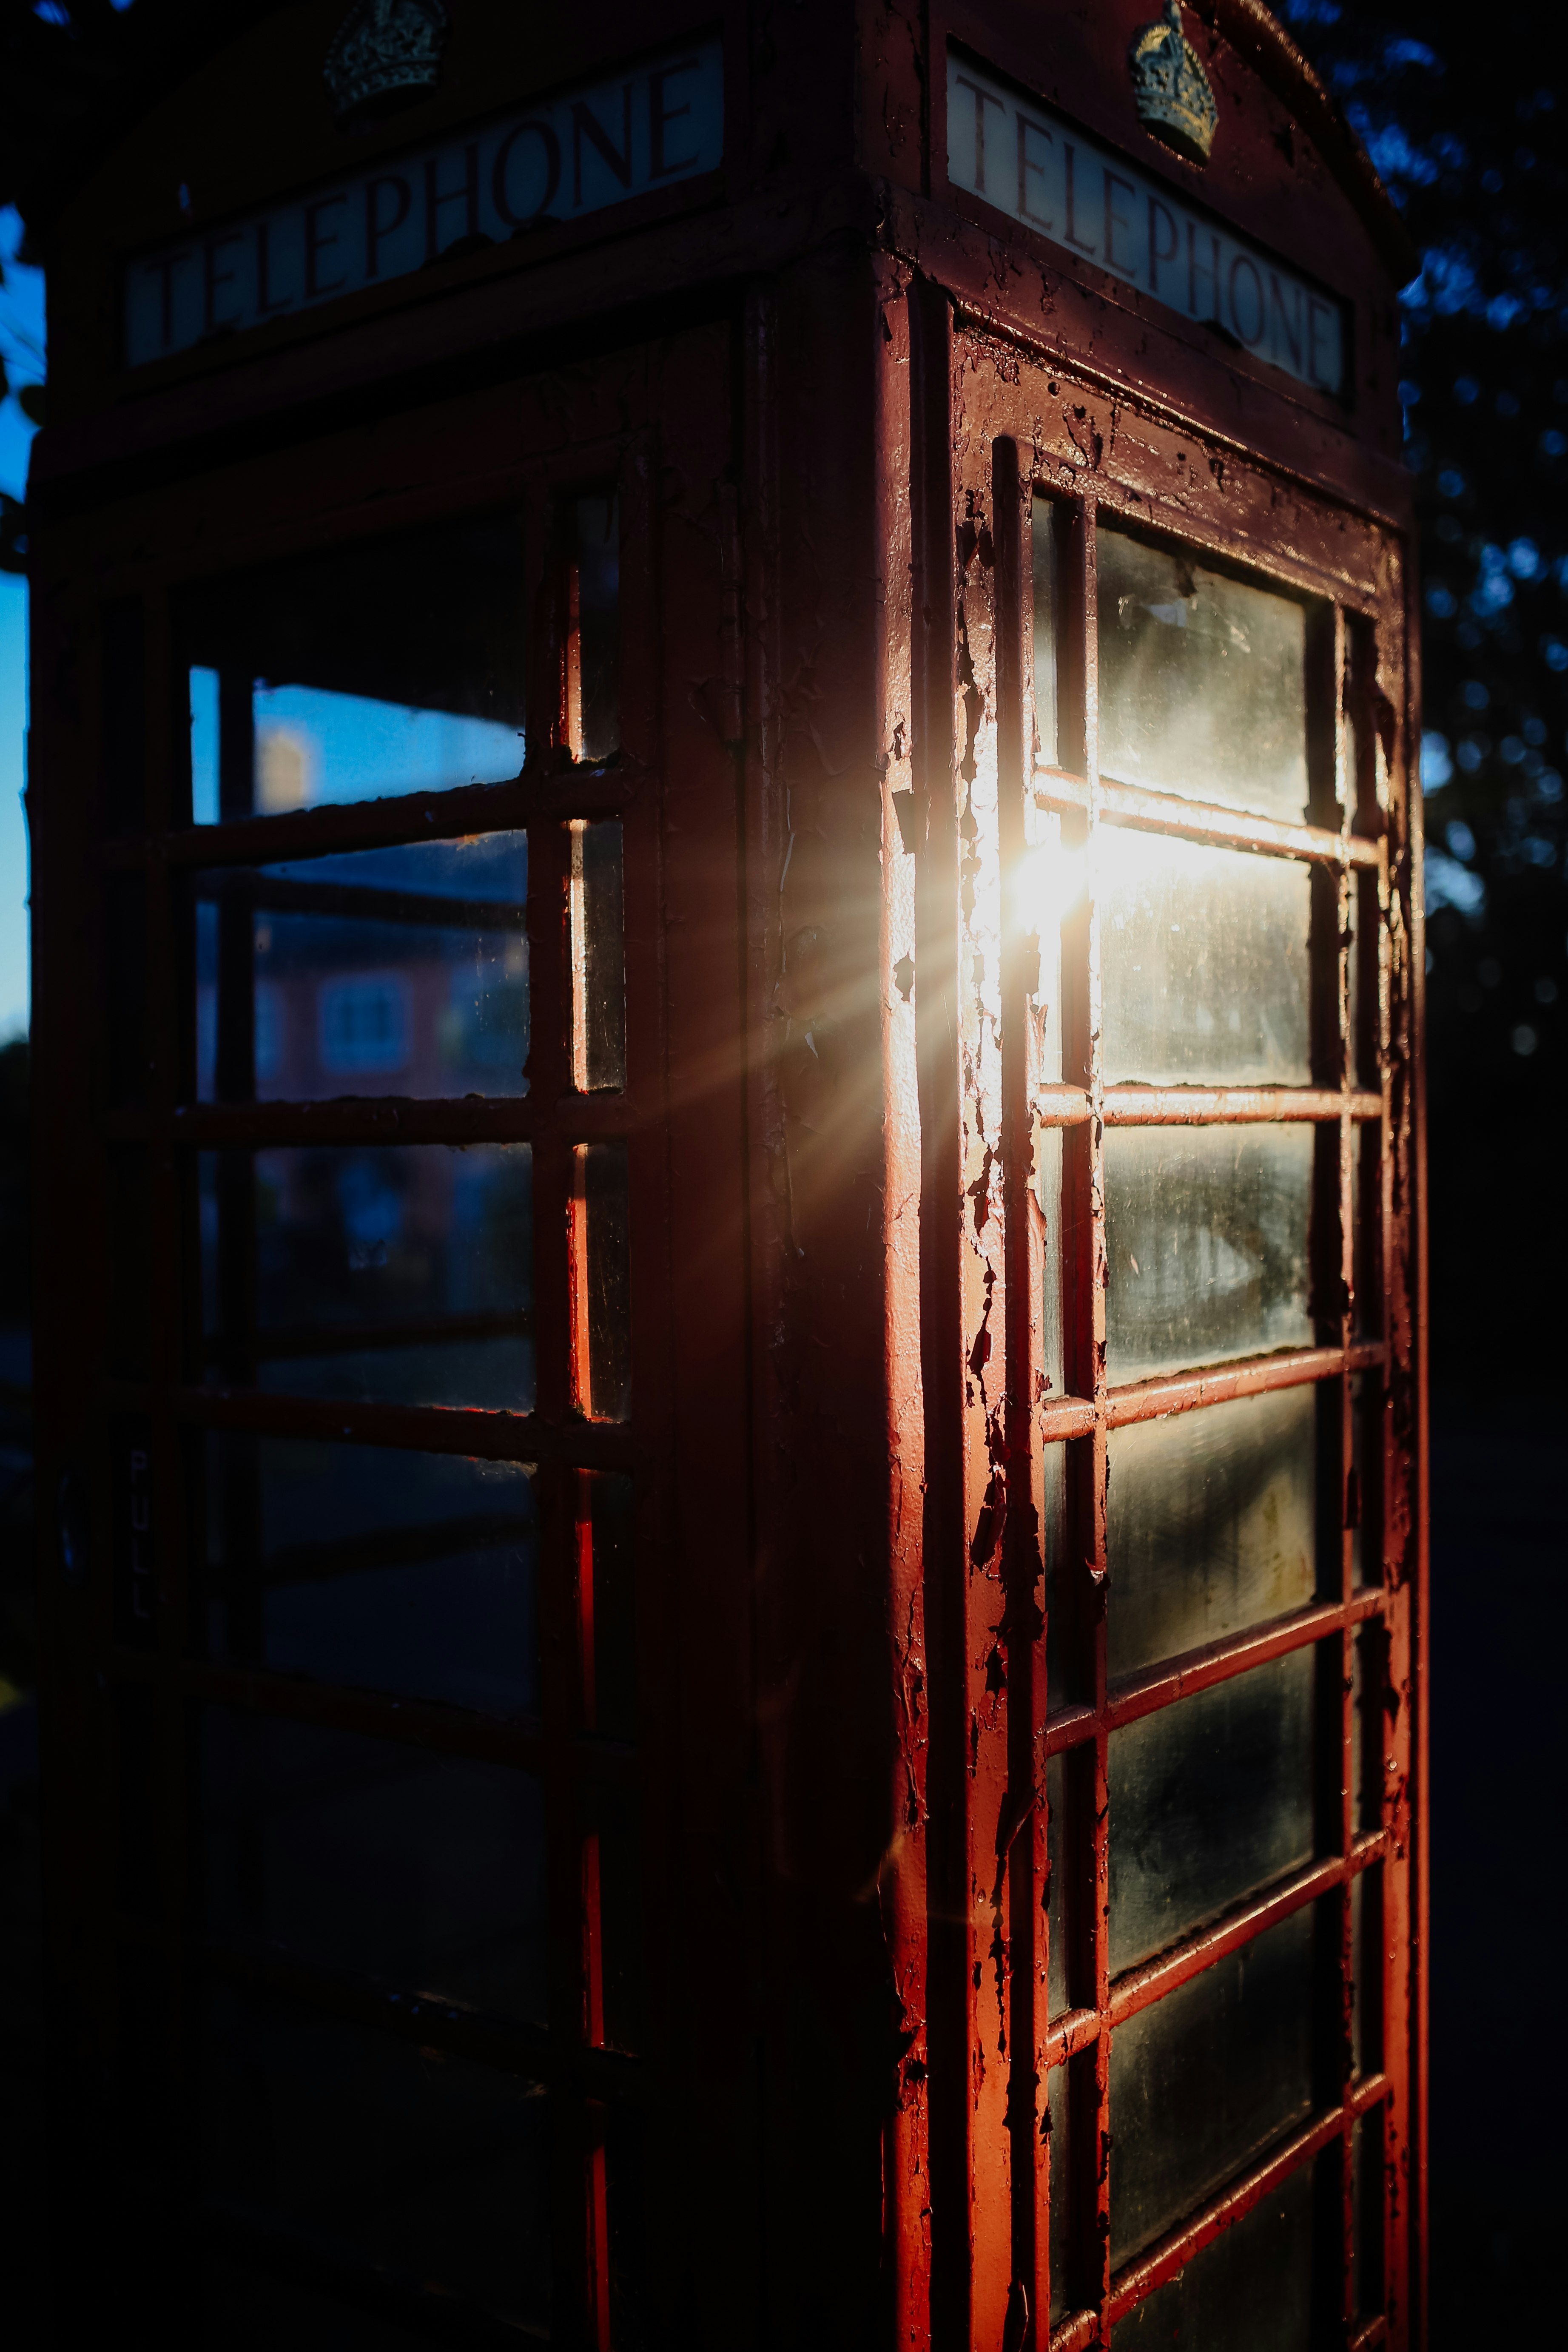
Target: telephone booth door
{"x": 1164, "y": 2077}
{"x": 362, "y": 1435}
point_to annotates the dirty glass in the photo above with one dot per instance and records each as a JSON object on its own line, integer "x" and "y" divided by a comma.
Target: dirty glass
{"x": 598, "y": 959}
{"x": 1203, "y": 681}
{"x": 1262, "y": 2264}
{"x": 1210, "y": 1800}
{"x": 594, "y": 641}
{"x": 1206, "y": 1233}
{"x": 365, "y": 1565}
{"x": 1204, "y": 956}
{"x": 1211, "y": 1523}
{"x": 435, "y": 2170}
{"x": 602, "y": 1282}
{"x": 1202, "y": 2082}
{"x": 1059, "y": 2119}
{"x": 1056, "y": 1888}
{"x": 401, "y": 970}
{"x": 360, "y": 673}
{"x": 399, "y": 1273}
{"x": 372, "y": 1857}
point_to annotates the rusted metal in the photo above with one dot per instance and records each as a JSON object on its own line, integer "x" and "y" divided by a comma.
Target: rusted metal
{"x": 1184, "y": 820}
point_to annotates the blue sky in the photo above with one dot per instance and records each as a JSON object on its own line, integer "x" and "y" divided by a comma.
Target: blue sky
{"x": 21, "y": 348}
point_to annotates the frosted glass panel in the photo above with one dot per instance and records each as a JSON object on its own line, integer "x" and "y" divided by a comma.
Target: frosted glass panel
{"x": 1210, "y": 1800}
{"x": 1252, "y": 2287}
{"x": 1205, "y": 958}
{"x": 1203, "y": 2079}
{"x": 1212, "y": 1524}
{"x": 1206, "y": 1245}
{"x": 1203, "y": 681}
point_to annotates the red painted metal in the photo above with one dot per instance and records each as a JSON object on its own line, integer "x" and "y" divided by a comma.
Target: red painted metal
{"x": 827, "y": 392}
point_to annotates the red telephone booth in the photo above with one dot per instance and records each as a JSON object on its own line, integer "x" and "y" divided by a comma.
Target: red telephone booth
{"x": 728, "y": 964}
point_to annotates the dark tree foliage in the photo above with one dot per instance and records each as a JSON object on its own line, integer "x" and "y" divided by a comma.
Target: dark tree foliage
{"x": 1466, "y": 121}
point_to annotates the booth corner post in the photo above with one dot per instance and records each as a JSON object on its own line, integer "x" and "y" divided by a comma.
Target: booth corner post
{"x": 727, "y": 1023}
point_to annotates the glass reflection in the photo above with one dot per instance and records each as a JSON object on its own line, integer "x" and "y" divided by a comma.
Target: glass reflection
{"x": 1211, "y": 1523}
{"x": 380, "y": 971}
{"x": 402, "y": 1273}
{"x": 1203, "y": 2081}
{"x": 1204, "y": 964}
{"x": 365, "y": 1565}
{"x": 1207, "y": 1232}
{"x": 1252, "y": 2284}
{"x": 1210, "y": 1800}
{"x": 359, "y": 674}
{"x": 1203, "y": 680}
{"x": 367, "y": 1854}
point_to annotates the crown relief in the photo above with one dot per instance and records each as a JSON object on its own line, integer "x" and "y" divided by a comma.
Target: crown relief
{"x": 1170, "y": 87}
{"x": 385, "y": 54}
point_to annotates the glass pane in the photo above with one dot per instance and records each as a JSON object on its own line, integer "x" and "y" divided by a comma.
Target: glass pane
{"x": 382, "y": 971}
{"x": 402, "y": 1273}
{"x": 369, "y": 1855}
{"x": 1204, "y": 955}
{"x": 1211, "y": 1523}
{"x": 364, "y": 1565}
{"x": 1047, "y": 751}
{"x": 1210, "y": 1800}
{"x": 413, "y": 2159}
{"x": 1206, "y": 1243}
{"x": 1203, "y": 2079}
{"x": 601, "y": 1278}
{"x": 393, "y": 667}
{"x": 594, "y": 656}
{"x": 1055, "y": 1895}
{"x": 598, "y": 960}
{"x": 1203, "y": 681}
{"x": 1367, "y": 2185}
{"x": 1058, "y": 2113}
{"x": 1251, "y": 2287}
{"x": 608, "y": 1603}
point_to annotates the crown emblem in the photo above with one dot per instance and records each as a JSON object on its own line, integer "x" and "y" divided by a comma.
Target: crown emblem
{"x": 1170, "y": 88}
{"x": 385, "y": 54}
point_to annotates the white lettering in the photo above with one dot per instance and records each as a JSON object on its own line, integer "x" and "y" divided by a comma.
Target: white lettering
{"x": 605, "y": 144}
{"x": 1037, "y": 168}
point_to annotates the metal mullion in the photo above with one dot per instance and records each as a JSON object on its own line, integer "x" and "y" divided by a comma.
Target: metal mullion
{"x": 543, "y": 793}
{"x": 1135, "y": 1105}
{"x": 571, "y": 1847}
{"x": 1250, "y": 1376}
{"x": 487, "y": 1434}
{"x": 1023, "y": 1270}
{"x": 1084, "y": 1335}
{"x": 168, "y": 1271}
{"x": 1141, "y": 809}
{"x": 394, "y": 1119}
{"x": 1346, "y": 787}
